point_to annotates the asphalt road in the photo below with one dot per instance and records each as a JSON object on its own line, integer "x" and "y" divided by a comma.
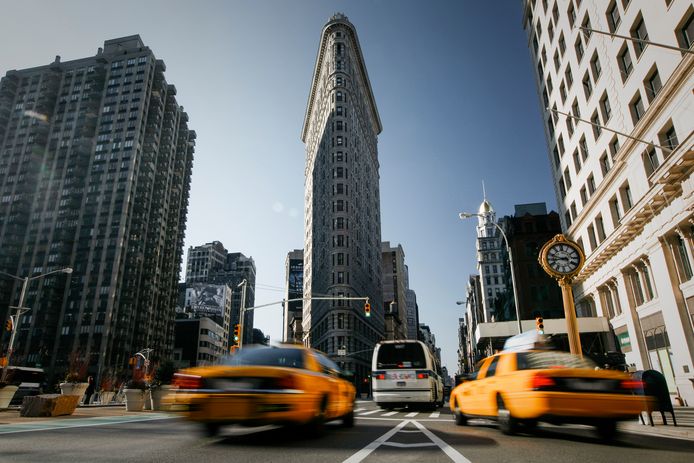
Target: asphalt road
{"x": 399, "y": 436}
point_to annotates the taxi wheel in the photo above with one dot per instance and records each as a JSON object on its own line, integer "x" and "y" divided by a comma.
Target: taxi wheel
{"x": 460, "y": 418}
{"x": 211, "y": 429}
{"x": 607, "y": 430}
{"x": 507, "y": 423}
{"x": 316, "y": 427}
{"x": 348, "y": 419}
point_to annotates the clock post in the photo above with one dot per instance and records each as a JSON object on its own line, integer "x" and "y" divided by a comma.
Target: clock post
{"x": 563, "y": 259}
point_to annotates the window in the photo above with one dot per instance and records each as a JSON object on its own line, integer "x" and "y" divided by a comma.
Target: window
{"x": 549, "y": 84}
{"x": 591, "y": 238}
{"x": 567, "y": 219}
{"x": 338, "y": 96}
{"x": 575, "y": 109}
{"x": 682, "y": 258}
{"x": 555, "y": 153}
{"x": 624, "y": 61}
{"x": 569, "y": 77}
{"x": 577, "y": 161}
{"x": 638, "y": 31}
{"x": 613, "y": 16}
{"x": 544, "y": 56}
{"x": 586, "y": 24}
{"x": 587, "y": 86}
{"x": 597, "y": 128}
{"x": 578, "y": 46}
{"x": 614, "y": 146}
{"x": 560, "y": 144}
{"x": 584, "y": 196}
{"x": 571, "y": 12}
{"x": 562, "y": 188}
{"x": 685, "y": 33}
{"x": 605, "y": 107}
{"x": 567, "y": 178}
{"x": 668, "y": 138}
{"x": 591, "y": 184}
{"x": 583, "y": 146}
{"x": 555, "y": 12}
{"x": 615, "y": 211}
{"x": 574, "y": 214}
{"x": 570, "y": 125}
{"x": 650, "y": 160}
{"x": 562, "y": 44}
{"x": 636, "y": 107}
{"x": 600, "y": 227}
{"x": 625, "y": 193}
{"x": 652, "y": 84}
{"x": 605, "y": 164}
{"x": 562, "y": 92}
{"x": 557, "y": 63}
{"x": 595, "y": 66}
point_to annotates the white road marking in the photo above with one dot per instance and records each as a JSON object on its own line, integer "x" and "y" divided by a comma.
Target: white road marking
{"x": 359, "y": 410}
{"x": 404, "y": 446}
{"x": 411, "y": 415}
{"x": 452, "y": 453}
{"x": 363, "y": 453}
{"x": 435, "y": 415}
{"x": 389, "y": 414}
{"x": 369, "y": 413}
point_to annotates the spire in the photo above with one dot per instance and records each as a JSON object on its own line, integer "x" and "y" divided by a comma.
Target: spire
{"x": 484, "y": 191}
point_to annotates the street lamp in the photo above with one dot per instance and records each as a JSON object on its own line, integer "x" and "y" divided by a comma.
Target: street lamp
{"x": 21, "y": 309}
{"x": 467, "y": 215}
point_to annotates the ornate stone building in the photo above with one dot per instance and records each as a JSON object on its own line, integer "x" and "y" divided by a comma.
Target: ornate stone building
{"x": 342, "y": 242}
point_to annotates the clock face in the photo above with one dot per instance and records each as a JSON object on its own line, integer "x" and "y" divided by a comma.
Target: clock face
{"x": 563, "y": 258}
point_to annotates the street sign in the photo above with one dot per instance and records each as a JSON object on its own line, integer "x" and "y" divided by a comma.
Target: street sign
{"x": 341, "y": 352}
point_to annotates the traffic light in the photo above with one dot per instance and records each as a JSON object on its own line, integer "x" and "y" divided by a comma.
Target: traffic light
{"x": 8, "y": 325}
{"x": 237, "y": 333}
{"x": 540, "y": 325}
{"x": 367, "y": 309}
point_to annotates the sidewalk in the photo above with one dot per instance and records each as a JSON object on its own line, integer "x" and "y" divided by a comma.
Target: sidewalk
{"x": 683, "y": 430}
{"x": 11, "y": 415}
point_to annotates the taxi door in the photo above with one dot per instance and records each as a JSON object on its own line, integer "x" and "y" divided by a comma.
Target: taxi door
{"x": 486, "y": 389}
{"x": 469, "y": 400}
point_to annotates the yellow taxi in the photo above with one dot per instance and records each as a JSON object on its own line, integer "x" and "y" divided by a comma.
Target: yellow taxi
{"x": 524, "y": 387}
{"x": 259, "y": 385}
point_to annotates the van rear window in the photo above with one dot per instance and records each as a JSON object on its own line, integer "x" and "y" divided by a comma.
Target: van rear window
{"x": 406, "y": 355}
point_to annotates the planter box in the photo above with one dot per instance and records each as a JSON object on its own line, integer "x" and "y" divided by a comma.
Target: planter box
{"x": 77, "y": 389}
{"x": 49, "y": 405}
{"x": 106, "y": 397}
{"x": 6, "y": 394}
{"x": 158, "y": 397}
{"x": 134, "y": 400}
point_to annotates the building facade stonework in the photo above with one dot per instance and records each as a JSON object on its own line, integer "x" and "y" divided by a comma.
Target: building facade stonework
{"x": 342, "y": 242}
{"x": 626, "y": 197}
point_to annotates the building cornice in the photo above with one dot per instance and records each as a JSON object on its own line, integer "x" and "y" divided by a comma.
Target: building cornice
{"x": 336, "y": 21}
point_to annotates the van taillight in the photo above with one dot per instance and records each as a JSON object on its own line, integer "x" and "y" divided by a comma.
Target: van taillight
{"x": 183, "y": 381}
{"x": 422, "y": 375}
{"x": 542, "y": 382}
{"x": 378, "y": 375}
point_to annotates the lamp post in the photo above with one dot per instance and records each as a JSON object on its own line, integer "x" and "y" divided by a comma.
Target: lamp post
{"x": 20, "y": 307}
{"x": 467, "y": 215}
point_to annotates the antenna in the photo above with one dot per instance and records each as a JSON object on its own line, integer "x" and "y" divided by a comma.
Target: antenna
{"x": 484, "y": 191}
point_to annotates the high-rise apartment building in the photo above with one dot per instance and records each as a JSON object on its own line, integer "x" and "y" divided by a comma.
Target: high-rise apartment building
{"x": 95, "y": 164}
{"x": 622, "y": 165}
{"x": 211, "y": 263}
{"x": 394, "y": 278}
{"x": 342, "y": 242}
{"x": 204, "y": 260}
{"x": 294, "y": 289}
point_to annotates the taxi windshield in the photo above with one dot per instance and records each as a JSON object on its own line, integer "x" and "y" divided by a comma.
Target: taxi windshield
{"x": 267, "y": 356}
{"x": 545, "y": 360}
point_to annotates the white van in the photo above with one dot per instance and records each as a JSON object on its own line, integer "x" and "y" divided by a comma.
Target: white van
{"x": 404, "y": 372}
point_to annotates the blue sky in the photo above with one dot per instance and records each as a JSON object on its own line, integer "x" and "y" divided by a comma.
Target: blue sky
{"x": 454, "y": 87}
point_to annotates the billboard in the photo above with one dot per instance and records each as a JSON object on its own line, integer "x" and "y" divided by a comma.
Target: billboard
{"x": 296, "y": 283}
{"x": 206, "y": 300}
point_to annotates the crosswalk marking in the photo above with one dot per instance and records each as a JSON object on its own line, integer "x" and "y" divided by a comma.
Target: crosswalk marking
{"x": 435, "y": 415}
{"x": 389, "y": 414}
{"x": 369, "y": 413}
{"x": 411, "y": 415}
{"x": 359, "y": 410}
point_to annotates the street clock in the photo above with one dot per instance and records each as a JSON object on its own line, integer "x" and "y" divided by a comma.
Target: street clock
{"x": 561, "y": 258}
